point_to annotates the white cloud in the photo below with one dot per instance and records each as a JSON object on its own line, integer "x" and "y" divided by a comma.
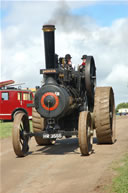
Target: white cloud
{"x": 119, "y": 73}
{"x": 23, "y": 49}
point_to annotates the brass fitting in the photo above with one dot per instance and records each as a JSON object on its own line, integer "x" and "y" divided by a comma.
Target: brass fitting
{"x": 48, "y": 28}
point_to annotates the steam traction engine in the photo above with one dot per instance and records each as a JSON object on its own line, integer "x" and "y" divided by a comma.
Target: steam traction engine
{"x": 67, "y": 104}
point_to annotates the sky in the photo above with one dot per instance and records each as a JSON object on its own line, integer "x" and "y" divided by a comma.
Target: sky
{"x": 97, "y": 28}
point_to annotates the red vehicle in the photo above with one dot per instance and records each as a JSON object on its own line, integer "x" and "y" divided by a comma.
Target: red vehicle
{"x": 13, "y": 100}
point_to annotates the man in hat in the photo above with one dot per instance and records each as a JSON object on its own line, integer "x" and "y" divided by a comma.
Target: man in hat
{"x": 84, "y": 57}
{"x": 82, "y": 66}
{"x": 68, "y": 60}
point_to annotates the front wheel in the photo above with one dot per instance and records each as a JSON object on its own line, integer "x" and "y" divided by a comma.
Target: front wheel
{"x": 85, "y": 133}
{"x": 19, "y": 138}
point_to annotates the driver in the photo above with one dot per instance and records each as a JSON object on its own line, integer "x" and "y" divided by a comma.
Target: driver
{"x": 68, "y": 60}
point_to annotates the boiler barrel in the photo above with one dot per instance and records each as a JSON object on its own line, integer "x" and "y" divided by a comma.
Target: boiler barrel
{"x": 49, "y": 45}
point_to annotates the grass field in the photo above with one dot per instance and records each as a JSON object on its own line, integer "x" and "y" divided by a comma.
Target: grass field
{"x": 6, "y": 129}
{"x": 120, "y": 182}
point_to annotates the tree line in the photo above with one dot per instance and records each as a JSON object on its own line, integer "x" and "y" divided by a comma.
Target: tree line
{"x": 121, "y": 105}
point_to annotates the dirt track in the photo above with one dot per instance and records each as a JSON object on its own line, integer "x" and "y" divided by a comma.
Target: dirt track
{"x": 60, "y": 168}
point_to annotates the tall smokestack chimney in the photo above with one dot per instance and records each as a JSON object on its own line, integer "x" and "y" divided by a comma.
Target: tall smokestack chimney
{"x": 49, "y": 45}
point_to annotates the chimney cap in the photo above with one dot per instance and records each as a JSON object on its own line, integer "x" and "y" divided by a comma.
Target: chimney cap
{"x": 48, "y": 28}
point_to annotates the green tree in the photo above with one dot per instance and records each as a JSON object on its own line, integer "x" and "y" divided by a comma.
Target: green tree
{"x": 121, "y": 105}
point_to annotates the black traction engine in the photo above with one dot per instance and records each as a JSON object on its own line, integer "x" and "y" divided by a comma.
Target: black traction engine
{"x": 67, "y": 104}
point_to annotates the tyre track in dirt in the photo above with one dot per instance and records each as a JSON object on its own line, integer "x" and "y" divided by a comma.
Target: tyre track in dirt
{"x": 59, "y": 168}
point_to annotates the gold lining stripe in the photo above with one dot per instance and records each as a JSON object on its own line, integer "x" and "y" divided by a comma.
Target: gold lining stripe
{"x": 48, "y": 28}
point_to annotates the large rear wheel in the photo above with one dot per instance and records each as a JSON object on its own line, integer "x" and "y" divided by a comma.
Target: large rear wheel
{"x": 104, "y": 113}
{"x": 85, "y": 133}
{"x": 38, "y": 124}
